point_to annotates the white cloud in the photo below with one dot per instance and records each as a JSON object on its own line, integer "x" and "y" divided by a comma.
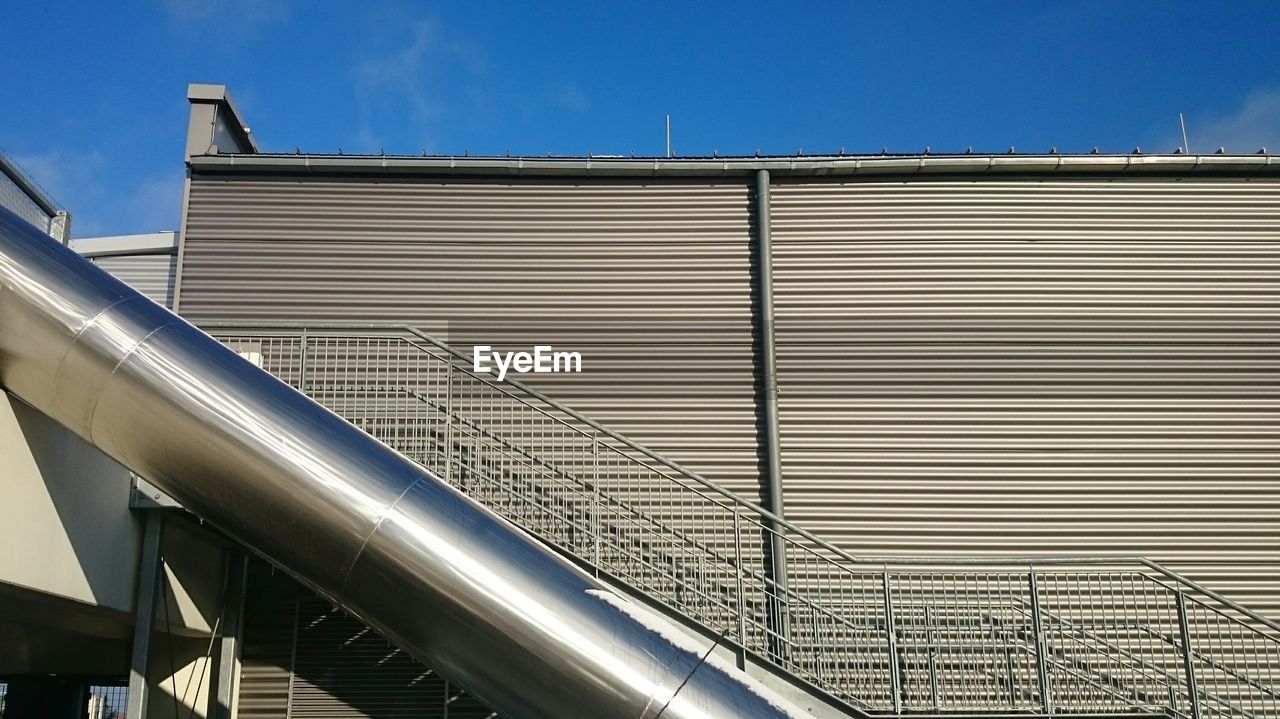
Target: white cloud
{"x": 73, "y": 179}
{"x": 410, "y": 80}
{"x": 572, "y": 99}
{"x": 155, "y": 203}
{"x": 394, "y": 82}
{"x": 241, "y": 16}
{"x": 1252, "y": 125}
{"x": 103, "y": 204}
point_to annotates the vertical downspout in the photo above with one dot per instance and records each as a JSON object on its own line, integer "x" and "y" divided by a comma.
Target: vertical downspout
{"x": 769, "y": 367}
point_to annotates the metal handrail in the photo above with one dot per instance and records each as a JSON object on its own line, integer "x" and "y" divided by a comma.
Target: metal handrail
{"x": 775, "y": 641}
{"x": 603, "y": 429}
{"x": 738, "y": 499}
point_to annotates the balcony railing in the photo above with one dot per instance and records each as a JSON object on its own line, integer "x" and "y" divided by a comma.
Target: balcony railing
{"x": 884, "y": 635}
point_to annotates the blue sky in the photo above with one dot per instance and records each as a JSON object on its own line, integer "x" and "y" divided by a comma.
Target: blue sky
{"x": 94, "y": 105}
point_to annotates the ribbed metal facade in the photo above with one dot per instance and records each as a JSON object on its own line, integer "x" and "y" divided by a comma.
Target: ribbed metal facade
{"x": 267, "y": 650}
{"x": 967, "y": 365}
{"x": 1036, "y": 366}
{"x": 153, "y": 275}
{"x": 650, "y": 281}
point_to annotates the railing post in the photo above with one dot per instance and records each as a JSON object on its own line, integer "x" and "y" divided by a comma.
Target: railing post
{"x": 595, "y": 501}
{"x": 1037, "y": 636}
{"x": 742, "y": 595}
{"x": 999, "y": 635}
{"x": 302, "y": 362}
{"x": 448, "y": 425}
{"x": 1188, "y": 658}
{"x": 891, "y": 635}
{"x": 931, "y": 636}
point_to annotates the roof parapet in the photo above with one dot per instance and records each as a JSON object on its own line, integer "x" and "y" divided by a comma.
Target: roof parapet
{"x": 806, "y": 166}
{"x": 215, "y": 125}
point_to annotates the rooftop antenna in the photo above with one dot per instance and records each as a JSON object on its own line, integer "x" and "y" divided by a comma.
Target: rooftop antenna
{"x": 1185, "y": 147}
{"x": 668, "y": 136}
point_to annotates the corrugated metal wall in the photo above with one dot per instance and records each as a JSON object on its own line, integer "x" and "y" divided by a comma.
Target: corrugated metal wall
{"x": 304, "y": 659}
{"x": 1036, "y": 366}
{"x": 1009, "y": 365}
{"x": 650, "y": 281}
{"x": 266, "y": 653}
{"x": 152, "y": 275}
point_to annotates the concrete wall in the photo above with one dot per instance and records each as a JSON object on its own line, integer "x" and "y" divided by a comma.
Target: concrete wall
{"x": 65, "y": 521}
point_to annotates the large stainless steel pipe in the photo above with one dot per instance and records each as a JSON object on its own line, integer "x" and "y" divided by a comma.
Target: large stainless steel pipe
{"x": 450, "y": 582}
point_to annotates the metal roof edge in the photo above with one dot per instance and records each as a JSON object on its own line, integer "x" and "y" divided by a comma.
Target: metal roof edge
{"x": 151, "y": 243}
{"x": 814, "y": 166}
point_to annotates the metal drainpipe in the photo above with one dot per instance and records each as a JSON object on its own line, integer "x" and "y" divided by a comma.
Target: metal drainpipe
{"x": 773, "y": 452}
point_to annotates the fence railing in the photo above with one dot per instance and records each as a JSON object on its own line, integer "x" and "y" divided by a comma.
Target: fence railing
{"x": 885, "y": 635}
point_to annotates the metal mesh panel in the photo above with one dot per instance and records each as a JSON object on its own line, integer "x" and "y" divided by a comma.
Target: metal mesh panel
{"x": 15, "y": 200}
{"x": 1233, "y": 663}
{"x": 106, "y": 701}
{"x": 900, "y": 636}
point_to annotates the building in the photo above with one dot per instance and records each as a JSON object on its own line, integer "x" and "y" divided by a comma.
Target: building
{"x": 1066, "y": 354}
{"x": 918, "y": 371}
{"x": 148, "y": 261}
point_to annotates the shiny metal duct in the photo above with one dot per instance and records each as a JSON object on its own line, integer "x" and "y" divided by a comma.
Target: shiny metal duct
{"x": 450, "y": 582}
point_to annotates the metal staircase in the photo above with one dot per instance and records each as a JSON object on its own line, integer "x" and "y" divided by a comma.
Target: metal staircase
{"x": 881, "y": 636}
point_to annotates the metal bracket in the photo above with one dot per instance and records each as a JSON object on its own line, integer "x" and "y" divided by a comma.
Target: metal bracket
{"x": 145, "y": 495}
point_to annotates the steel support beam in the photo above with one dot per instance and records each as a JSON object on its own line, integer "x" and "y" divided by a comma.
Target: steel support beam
{"x": 150, "y": 571}
{"x": 229, "y": 643}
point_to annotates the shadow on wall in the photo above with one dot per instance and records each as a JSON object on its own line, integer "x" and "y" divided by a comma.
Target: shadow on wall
{"x": 80, "y": 539}
{"x": 337, "y": 664}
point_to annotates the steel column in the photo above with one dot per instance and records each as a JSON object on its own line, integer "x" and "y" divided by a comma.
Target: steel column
{"x": 772, "y": 436}
{"x": 144, "y": 614}
{"x": 229, "y": 645}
